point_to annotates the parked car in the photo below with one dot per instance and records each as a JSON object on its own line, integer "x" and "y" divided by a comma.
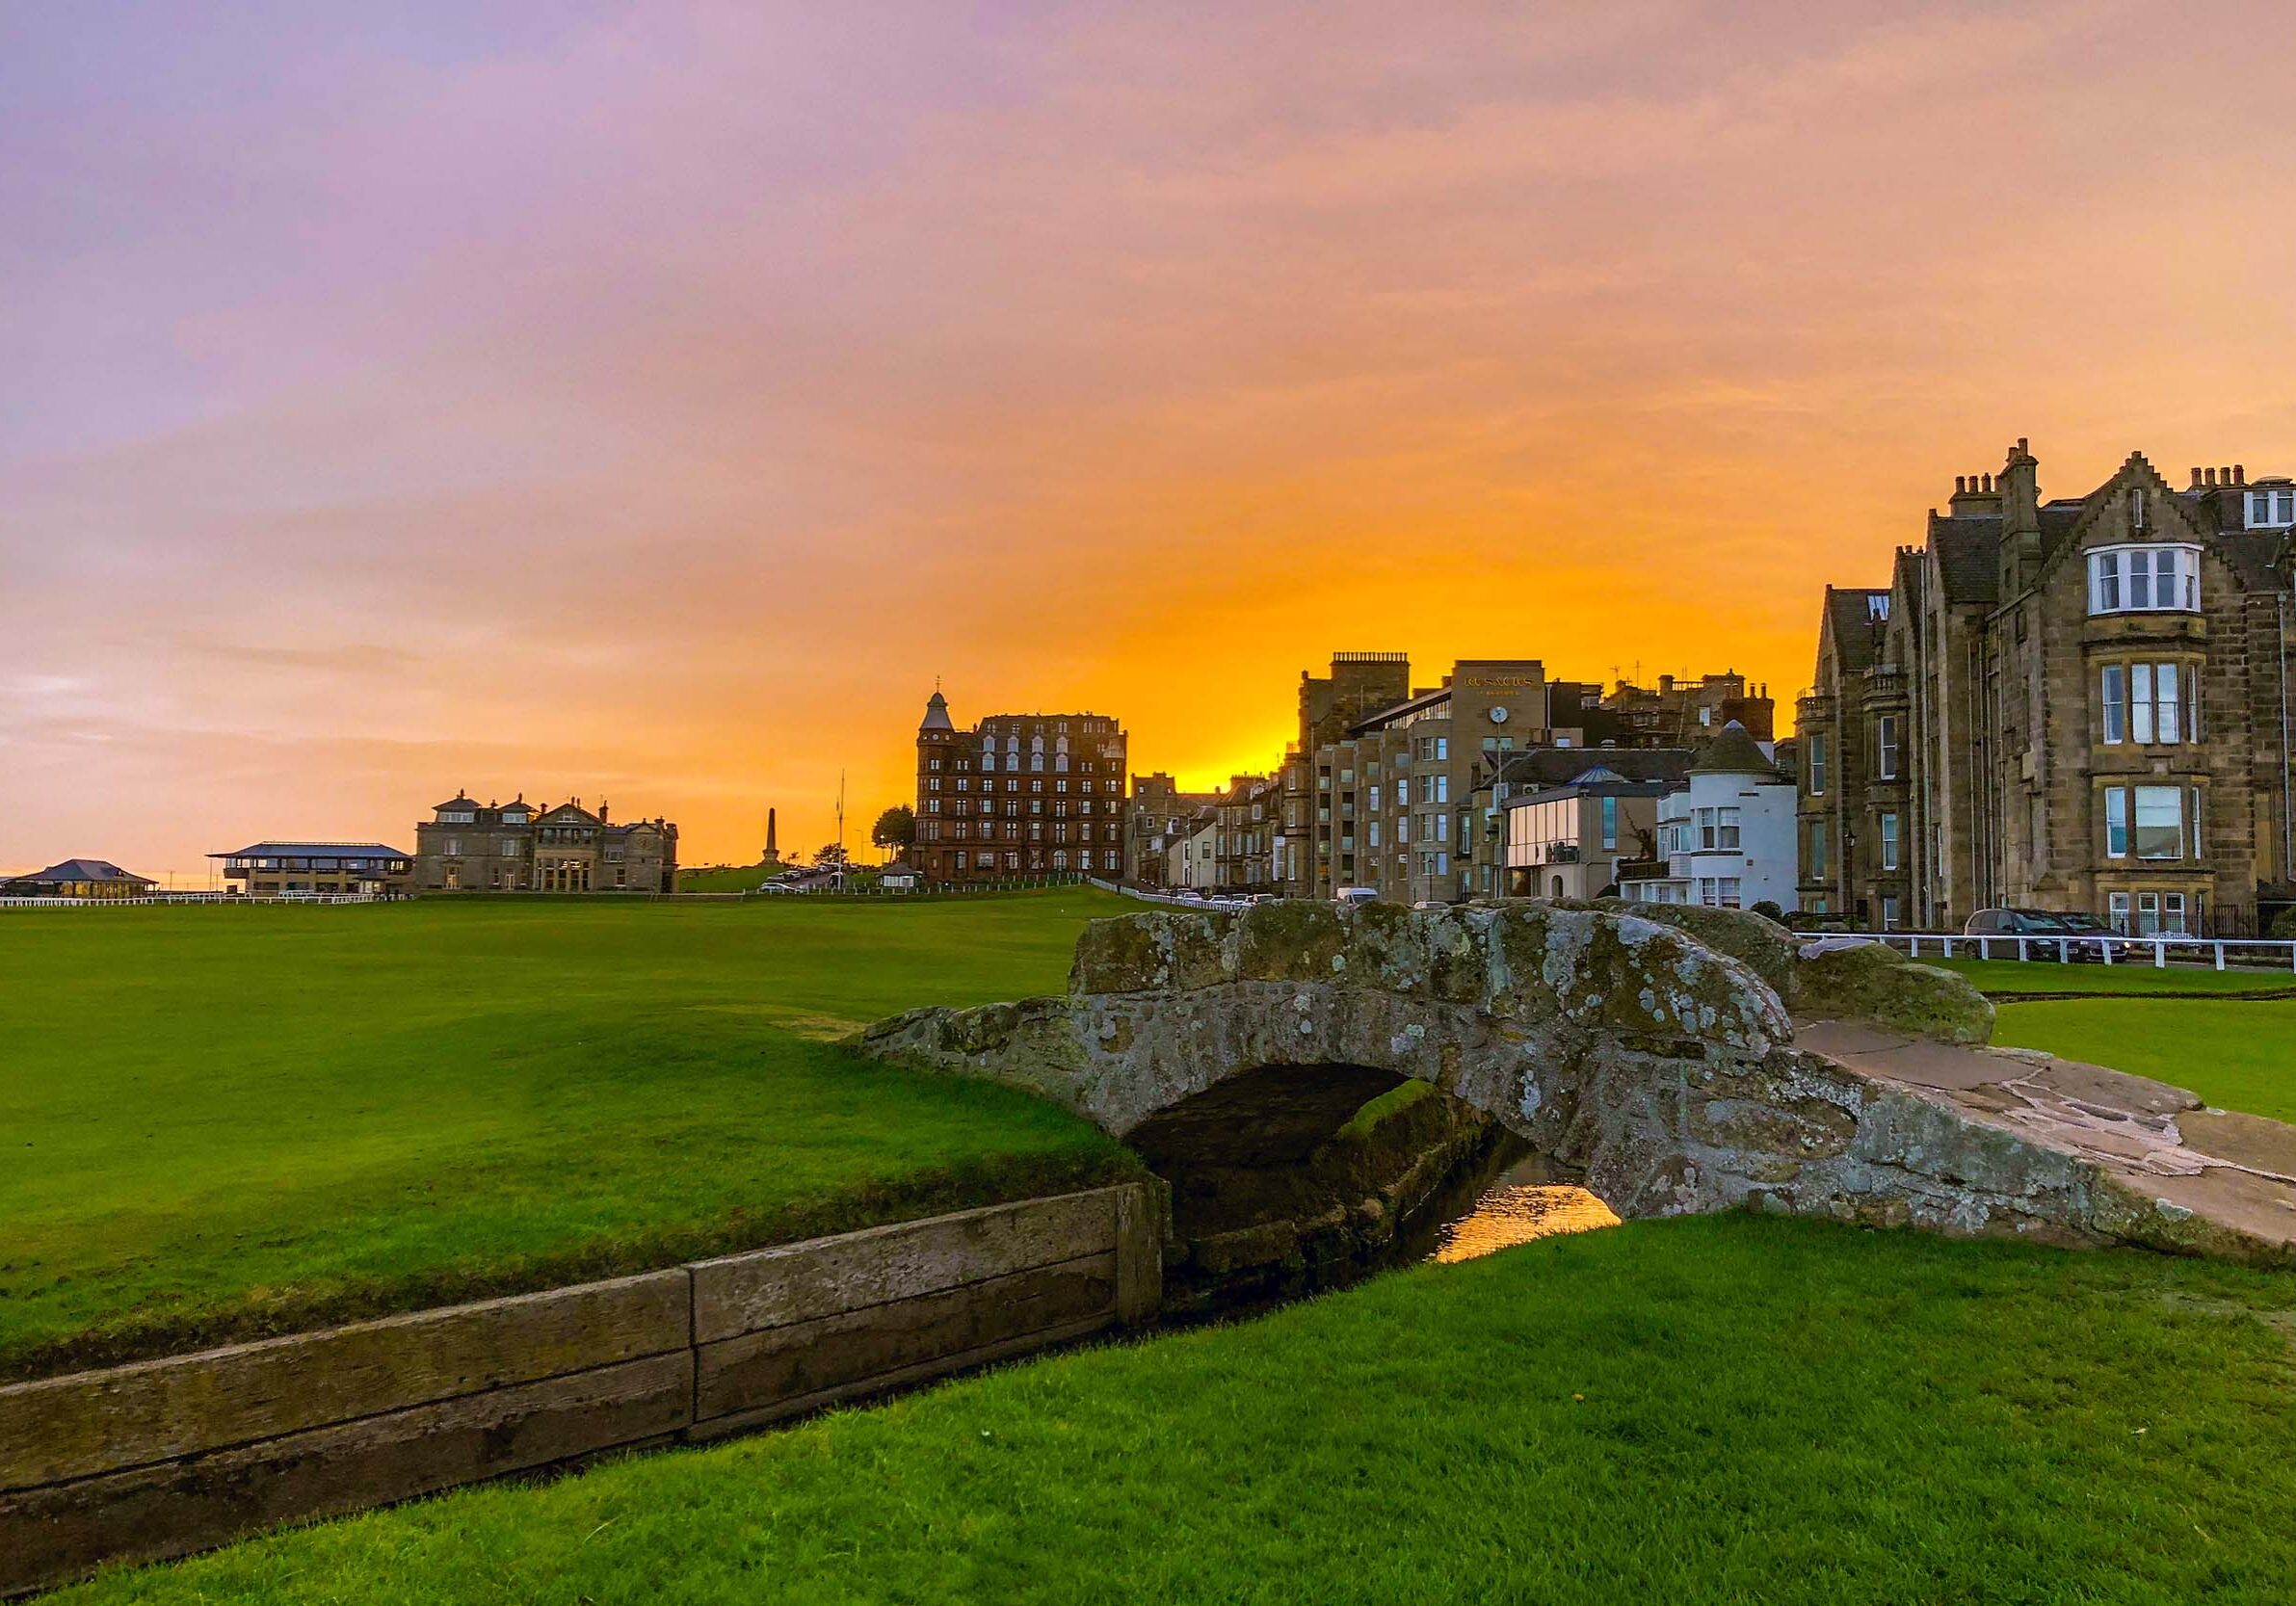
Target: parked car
{"x": 1356, "y": 895}
{"x": 2040, "y": 924}
{"x": 1431, "y": 903}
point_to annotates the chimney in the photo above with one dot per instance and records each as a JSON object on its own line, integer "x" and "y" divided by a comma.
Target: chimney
{"x": 2020, "y": 520}
{"x": 2239, "y": 473}
{"x": 2212, "y": 476}
{"x": 2196, "y": 480}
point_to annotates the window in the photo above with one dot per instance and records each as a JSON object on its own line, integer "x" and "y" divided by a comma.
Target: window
{"x": 1888, "y": 841}
{"x": 1886, "y": 747}
{"x": 2116, "y": 822}
{"x": 2116, "y": 908}
{"x": 2144, "y": 579}
{"x": 1718, "y": 891}
{"x": 2271, "y": 509}
{"x": 1443, "y": 789}
{"x": 1817, "y": 849}
{"x": 1889, "y": 921}
{"x": 2149, "y": 818}
{"x": 1610, "y": 822}
{"x": 2114, "y": 697}
{"x": 1817, "y": 763}
{"x": 1402, "y": 792}
{"x": 1718, "y": 829}
{"x": 2156, "y": 707}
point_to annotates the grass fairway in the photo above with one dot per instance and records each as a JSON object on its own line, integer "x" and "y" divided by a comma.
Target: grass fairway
{"x": 1731, "y": 1409}
{"x": 2237, "y": 1055}
{"x": 226, "y": 1122}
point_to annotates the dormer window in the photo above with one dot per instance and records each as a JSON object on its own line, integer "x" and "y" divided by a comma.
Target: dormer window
{"x": 457, "y": 817}
{"x": 2273, "y": 507}
{"x": 2145, "y": 580}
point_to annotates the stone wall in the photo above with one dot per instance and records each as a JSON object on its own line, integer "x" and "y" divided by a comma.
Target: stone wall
{"x": 166, "y": 1457}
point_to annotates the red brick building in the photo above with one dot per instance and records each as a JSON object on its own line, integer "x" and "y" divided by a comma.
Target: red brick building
{"x": 1018, "y": 795}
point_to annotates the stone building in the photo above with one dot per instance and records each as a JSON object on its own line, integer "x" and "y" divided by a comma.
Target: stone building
{"x": 467, "y": 846}
{"x": 285, "y": 869}
{"x": 1153, "y": 818}
{"x": 1018, "y": 795}
{"x": 1577, "y": 840}
{"x": 1377, "y": 788}
{"x": 2067, "y": 703}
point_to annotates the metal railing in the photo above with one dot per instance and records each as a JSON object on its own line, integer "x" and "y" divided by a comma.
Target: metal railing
{"x": 2159, "y": 950}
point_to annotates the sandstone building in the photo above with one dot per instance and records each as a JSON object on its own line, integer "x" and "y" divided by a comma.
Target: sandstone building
{"x": 1157, "y": 815}
{"x": 467, "y": 846}
{"x": 2069, "y": 703}
{"x": 1018, "y": 795}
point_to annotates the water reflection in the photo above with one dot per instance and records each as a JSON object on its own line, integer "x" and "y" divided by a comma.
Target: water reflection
{"x": 1521, "y": 1203}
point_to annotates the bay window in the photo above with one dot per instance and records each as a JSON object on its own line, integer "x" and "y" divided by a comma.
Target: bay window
{"x": 1888, "y": 841}
{"x": 1886, "y": 747}
{"x": 2114, "y": 699}
{"x": 2146, "y": 702}
{"x": 2150, "y": 820}
{"x": 2146, "y": 579}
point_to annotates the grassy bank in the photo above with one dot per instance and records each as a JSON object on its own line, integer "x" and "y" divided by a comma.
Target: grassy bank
{"x": 1723, "y": 1409}
{"x": 225, "y": 1122}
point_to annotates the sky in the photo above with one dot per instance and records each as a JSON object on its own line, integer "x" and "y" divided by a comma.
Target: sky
{"x": 647, "y": 402}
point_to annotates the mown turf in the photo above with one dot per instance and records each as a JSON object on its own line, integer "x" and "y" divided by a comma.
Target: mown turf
{"x": 224, "y": 1121}
{"x": 2112, "y": 981}
{"x": 2236, "y": 1055}
{"x": 1727, "y": 1410}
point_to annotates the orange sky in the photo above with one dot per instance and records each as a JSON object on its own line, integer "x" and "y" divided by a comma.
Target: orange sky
{"x": 649, "y": 402}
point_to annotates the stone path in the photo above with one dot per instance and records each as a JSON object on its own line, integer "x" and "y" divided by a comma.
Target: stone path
{"x": 2237, "y": 1170}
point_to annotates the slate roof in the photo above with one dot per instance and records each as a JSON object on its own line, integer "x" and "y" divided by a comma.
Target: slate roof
{"x": 1561, "y": 766}
{"x": 458, "y": 801}
{"x": 1857, "y": 633}
{"x": 83, "y": 870}
{"x": 937, "y": 713}
{"x": 1968, "y": 552}
{"x": 1732, "y": 752}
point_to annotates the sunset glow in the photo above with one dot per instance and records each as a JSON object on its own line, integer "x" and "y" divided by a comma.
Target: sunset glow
{"x": 649, "y": 402}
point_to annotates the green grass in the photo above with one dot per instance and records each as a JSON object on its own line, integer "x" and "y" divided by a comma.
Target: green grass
{"x": 724, "y": 878}
{"x": 2011, "y": 976}
{"x": 226, "y": 1122}
{"x": 1723, "y": 1409}
{"x": 2236, "y": 1055}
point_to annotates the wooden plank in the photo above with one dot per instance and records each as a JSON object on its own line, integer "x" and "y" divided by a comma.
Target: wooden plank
{"x": 124, "y": 1416}
{"x": 797, "y": 1360}
{"x": 1138, "y": 1255}
{"x": 50, "y": 1535}
{"x": 782, "y": 1410}
{"x": 828, "y": 1276}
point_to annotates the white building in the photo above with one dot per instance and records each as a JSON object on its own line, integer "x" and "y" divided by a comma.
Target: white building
{"x": 1727, "y": 836}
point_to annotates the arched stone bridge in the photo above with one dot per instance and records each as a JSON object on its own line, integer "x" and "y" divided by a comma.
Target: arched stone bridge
{"x": 1661, "y": 1058}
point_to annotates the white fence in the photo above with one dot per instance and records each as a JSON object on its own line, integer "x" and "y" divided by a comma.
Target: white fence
{"x": 2216, "y": 951}
{"x": 229, "y": 898}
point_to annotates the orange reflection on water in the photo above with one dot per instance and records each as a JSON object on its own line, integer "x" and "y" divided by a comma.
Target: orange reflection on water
{"x": 1510, "y": 1214}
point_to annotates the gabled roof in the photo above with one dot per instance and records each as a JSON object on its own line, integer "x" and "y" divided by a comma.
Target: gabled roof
{"x": 1857, "y": 633}
{"x": 1967, "y": 549}
{"x": 575, "y": 808}
{"x": 458, "y": 801}
{"x": 1732, "y": 752}
{"x": 86, "y": 870}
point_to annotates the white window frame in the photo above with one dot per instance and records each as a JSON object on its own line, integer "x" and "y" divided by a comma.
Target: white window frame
{"x": 2118, "y": 575}
{"x": 1889, "y": 842}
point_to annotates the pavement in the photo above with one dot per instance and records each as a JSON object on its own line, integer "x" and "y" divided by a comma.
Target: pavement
{"x": 2238, "y": 1171}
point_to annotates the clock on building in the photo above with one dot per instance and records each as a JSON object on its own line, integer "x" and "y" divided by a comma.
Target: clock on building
{"x": 1499, "y": 715}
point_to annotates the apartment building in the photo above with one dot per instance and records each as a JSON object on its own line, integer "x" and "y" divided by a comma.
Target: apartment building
{"x": 1018, "y": 795}
{"x": 1155, "y": 817}
{"x": 2071, "y": 702}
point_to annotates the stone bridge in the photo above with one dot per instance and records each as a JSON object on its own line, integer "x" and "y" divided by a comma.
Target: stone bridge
{"x": 1683, "y": 1058}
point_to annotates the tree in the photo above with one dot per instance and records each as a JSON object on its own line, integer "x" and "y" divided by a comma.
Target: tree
{"x": 895, "y": 828}
{"x": 829, "y": 857}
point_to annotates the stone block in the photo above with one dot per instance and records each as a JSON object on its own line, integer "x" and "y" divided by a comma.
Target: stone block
{"x": 1292, "y": 940}
{"x": 1871, "y": 981}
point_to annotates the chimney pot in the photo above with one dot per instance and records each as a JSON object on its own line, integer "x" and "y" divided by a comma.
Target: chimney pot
{"x": 2227, "y": 472}
{"x": 1989, "y": 485}
{"x": 2196, "y": 479}
{"x": 1960, "y": 485}
{"x": 2020, "y": 446}
{"x": 2239, "y": 473}
{"x": 2212, "y": 476}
